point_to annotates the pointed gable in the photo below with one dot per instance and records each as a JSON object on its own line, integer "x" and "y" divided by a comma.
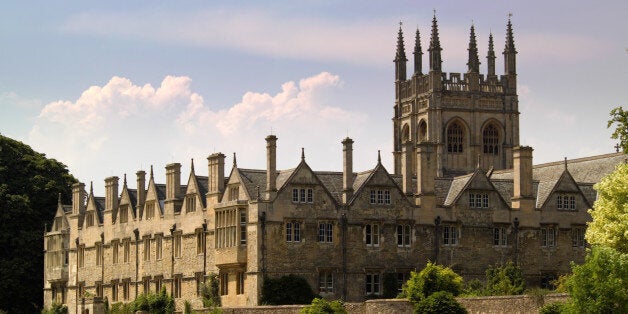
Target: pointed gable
{"x": 565, "y": 183}
{"x": 377, "y": 177}
{"x": 128, "y": 198}
{"x": 302, "y": 175}
{"x": 476, "y": 181}
{"x": 197, "y": 186}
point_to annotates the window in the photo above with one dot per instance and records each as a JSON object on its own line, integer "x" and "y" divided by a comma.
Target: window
{"x": 230, "y": 227}
{"x": 577, "y": 237}
{"x": 380, "y": 197}
{"x": 455, "y": 138}
{"x": 127, "y": 250}
{"x": 158, "y": 284}
{"x": 240, "y": 282}
{"x": 478, "y": 200}
{"x": 401, "y": 279}
{"x": 422, "y": 131}
{"x": 146, "y": 284}
{"x": 373, "y": 284}
{"x": 114, "y": 251}
{"x": 403, "y": 235}
{"x": 234, "y": 193}
{"x": 325, "y": 281}
{"x": 99, "y": 255}
{"x": 372, "y": 234}
{"x": 200, "y": 241}
{"x": 325, "y": 232}
{"x": 99, "y": 289}
{"x": 158, "y": 246}
{"x": 548, "y": 236}
{"x": 198, "y": 277}
{"x": 304, "y": 196}
{"x": 490, "y": 138}
{"x": 293, "y": 231}
{"x": 147, "y": 248}
{"x": 126, "y": 289}
{"x": 566, "y": 202}
{"x": 190, "y": 203}
{"x": 81, "y": 288}
{"x": 81, "y": 255}
{"x": 224, "y": 283}
{"x": 114, "y": 290}
{"x": 150, "y": 210}
{"x": 176, "y": 286}
{"x": 500, "y": 238}
{"x": 89, "y": 219}
{"x": 450, "y": 235}
{"x": 242, "y": 227}
{"x": 124, "y": 213}
{"x": 177, "y": 244}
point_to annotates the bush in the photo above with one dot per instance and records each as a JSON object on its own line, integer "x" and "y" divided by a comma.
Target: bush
{"x": 473, "y": 288}
{"x": 505, "y": 280}
{"x": 121, "y": 308}
{"x": 160, "y": 303}
{"x": 320, "y": 306}
{"x": 432, "y": 278}
{"x": 56, "y": 308}
{"x": 290, "y": 289}
{"x": 440, "y": 302}
{"x": 553, "y": 308}
{"x": 211, "y": 292}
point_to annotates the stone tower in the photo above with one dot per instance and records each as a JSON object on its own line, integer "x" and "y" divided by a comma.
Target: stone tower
{"x": 471, "y": 118}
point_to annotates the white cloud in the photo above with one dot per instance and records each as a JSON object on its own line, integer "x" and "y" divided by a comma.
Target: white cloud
{"x": 121, "y": 126}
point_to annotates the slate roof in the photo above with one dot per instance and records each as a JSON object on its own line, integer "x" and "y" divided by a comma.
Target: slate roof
{"x": 456, "y": 187}
{"x": 100, "y": 208}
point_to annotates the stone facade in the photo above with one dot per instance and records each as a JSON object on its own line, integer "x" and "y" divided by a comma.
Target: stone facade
{"x": 463, "y": 193}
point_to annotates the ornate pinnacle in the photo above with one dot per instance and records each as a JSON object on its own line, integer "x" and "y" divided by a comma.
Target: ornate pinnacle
{"x": 510, "y": 40}
{"x": 434, "y": 40}
{"x": 401, "y": 51}
{"x": 491, "y": 56}
{"x": 474, "y": 62}
{"x": 418, "y": 53}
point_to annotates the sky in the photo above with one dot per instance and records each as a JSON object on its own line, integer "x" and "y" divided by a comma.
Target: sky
{"x": 114, "y": 87}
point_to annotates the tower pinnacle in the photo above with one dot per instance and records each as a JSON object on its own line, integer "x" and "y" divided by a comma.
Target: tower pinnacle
{"x": 490, "y": 58}
{"x": 400, "y": 57}
{"x": 418, "y": 54}
{"x": 473, "y": 63}
{"x": 435, "y": 49}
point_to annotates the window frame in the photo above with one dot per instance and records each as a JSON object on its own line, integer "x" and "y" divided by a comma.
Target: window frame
{"x": 325, "y": 232}
{"x": 500, "y": 236}
{"x": 372, "y": 234}
{"x": 373, "y": 284}
{"x": 325, "y": 281}
{"x": 404, "y": 235}
{"x": 451, "y": 235}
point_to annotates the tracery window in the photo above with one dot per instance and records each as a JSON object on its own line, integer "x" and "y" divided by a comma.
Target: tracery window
{"x": 490, "y": 136}
{"x": 455, "y": 138}
{"x": 422, "y": 131}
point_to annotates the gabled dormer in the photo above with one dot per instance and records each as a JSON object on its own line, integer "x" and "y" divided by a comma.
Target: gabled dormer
{"x": 93, "y": 215}
{"x": 60, "y": 222}
{"x": 475, "y": 191}
{"x": 127, "y": 206}
{"x": 377, "y": 187}
{"x": 195, "y": 192}
{"x": 155, "y": 198}
{"x": 562, "y": 194}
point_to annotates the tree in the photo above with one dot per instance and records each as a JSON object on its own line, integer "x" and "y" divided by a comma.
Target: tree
{"x": 432, "y": 278}
{"x": 440, "y": 302}
{"x": 600, "y": 285}
{"x": 610, "y": 211}
{"x": 322, "y": 306}
{"x": 29, "y": 187}
{"x": 620, "y": 117}
{"x": 504, "y": 280}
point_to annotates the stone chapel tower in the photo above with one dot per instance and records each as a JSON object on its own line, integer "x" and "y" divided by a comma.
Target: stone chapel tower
{"x": 471, "y": 118}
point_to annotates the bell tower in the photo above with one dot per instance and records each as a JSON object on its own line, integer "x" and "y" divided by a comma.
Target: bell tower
{"x": 468, "y": 117}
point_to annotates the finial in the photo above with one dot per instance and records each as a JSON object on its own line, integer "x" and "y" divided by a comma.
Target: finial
{"x": 192, "y": 165}
{"x": 473, "y": 62}
{"x": 302, "y": 153}
{"x": 400, "y": 23}
{"x": 379, "y": 157}
{"x": 59, "y": 199}
{"x": 124, "y": 181}
{"x": 235, "y": 161}
{"x": 477, "y": 166}
{"x": 617, "y": 148}
{"x": 151, "y": 171}
{"x": 91, "y": 187}
{"x": 509, "y": 15}
{"x": 565, "y": 163}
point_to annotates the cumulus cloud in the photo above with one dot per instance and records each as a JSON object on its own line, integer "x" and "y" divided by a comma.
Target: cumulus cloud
{"x": 110, "y": 128}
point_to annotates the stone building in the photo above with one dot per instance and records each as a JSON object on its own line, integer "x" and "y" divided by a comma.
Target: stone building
{"x": 463, "y": 193}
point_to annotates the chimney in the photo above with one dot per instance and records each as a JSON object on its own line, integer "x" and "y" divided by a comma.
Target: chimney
{"x": 522, "y": 197}
{"x": 173, "y": 189}
{"x": 111, "y": 193}
{"x": 141, "y": 189}
{"x": 347, "y": 170}
{"x": 78, "y": 198}
{"x": 271, "y": 166}
{"x": 216, "y": 173}
{"x": 426, "y": 174}
{"x": 406, "y": 167}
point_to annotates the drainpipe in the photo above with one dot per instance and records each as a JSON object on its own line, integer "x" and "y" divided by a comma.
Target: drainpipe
{"x": 76, "y": 284}
{"x": 262, "y": 220}
{"x": 516, "y": 244}
{"x": 102, "y": 264}
{"x": 204, "y": 249}
{"x": 343, "y": 225}
{"x": 436, "y": 238}
{"x": 174, "y": 227}
{"x": 137, "y": 260}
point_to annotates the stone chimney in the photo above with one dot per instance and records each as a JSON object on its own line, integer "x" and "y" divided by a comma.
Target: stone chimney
{"x": 271, "y": 166}
{"x": 173, "y": 189}
{"x": 141, "y": 189}
{"x": 522, "y": 196}
{"x": 406, "y": 167}
{"x": 426, "y": 175}
{"x": 216, "y": 173}
{"x": 347, "y": 170}
{"x": 111, "y": 193}
{"x": 78, "y": 198}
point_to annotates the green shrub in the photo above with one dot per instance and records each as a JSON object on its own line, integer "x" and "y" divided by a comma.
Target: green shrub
{"x": 121, "y": 308}
{"x": 440, "y": 302}
{"x": 56, "y": 308}
{"x": 553, "y": 308}
{"x": 211, "y": 292}
{"x": 290, "y": 289}
{"x": 160, "y": 303}
{"x": 432, "y": 278}
{"x": 473, "y": 287}
{"x": 505, "y": 280}
{"x": 321, "y": 306}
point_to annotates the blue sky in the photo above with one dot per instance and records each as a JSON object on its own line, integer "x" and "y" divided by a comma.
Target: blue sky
{"x": 110, "y": 88}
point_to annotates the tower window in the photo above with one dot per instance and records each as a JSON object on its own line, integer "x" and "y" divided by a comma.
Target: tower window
{"x": 455, "y": 137}
{"x": 422, "y": 131}
{"x": 490, "y": 137}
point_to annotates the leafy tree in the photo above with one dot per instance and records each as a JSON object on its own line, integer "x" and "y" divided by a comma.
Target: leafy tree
{"x": 440, "y": 302}
{"x": 620, "y": 117}
{"x": 504, "y": 280}
{"x": 210, "y": 291}
{"x": 29, "y": 186}
{"x": 600, "y": 285}
{"x": 322, "y": 306}
{"x": 432, "y": 278}
{"x": 290, "y": 289}
{"x": 610, "y": 211}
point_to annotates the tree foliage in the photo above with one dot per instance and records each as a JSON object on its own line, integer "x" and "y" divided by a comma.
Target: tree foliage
{"x": 504, "y": 280}
{"x": 290, "y": 289}
{"x": 620, "y": 118}
{"x": 440, "y": 302}
{"x": 610, "y": 211}
{"x": 600, "y": 285}
{"x": 432, "y": 278}
{"x": 322, "y": 306}
{"x": 29, "y": 187}
{"x": 210, "y": 291}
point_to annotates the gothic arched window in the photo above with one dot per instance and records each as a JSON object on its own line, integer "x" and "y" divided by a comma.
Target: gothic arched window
{"x": 405, "y": 133}
{"x": 422, "y": 131}
{"x": 455, "y": 137}
{"x": 490, "y": 137}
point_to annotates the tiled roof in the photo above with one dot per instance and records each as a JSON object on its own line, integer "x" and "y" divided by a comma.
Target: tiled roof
{"x": 252, "y": 178}
{"x": 100, "y": 207}
{"x": 332, "y": 181}
{"x": 201, "y": 183}
{"x": 457, "y": 185}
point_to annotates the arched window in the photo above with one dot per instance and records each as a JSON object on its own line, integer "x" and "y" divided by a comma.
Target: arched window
{"x": 490, "y": 137}
{"x": 422, "y": 131}
{"x": 455, "y": 137}
{"x": 405, "y": 133}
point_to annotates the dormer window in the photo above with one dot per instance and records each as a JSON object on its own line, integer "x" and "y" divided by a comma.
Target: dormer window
{"x": 478, "y": 200}
{"x": 124, "y": 213}
{"x": 303, "y": 195}
{"x": 190, "y": 203}
{"x": 89, "y": 219}
{"x": 566, "y": 202}
{"x": 234, "y": 193}
{"x": 150, "y": 210}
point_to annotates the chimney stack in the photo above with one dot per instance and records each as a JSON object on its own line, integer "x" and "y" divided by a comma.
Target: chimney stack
{"x": 78, "y": 198}
{"x": 406, "y": 167}
{"x": 271, "y": 166}
{"x": 522, "y": 198}
{"x": 141, "y": 189}
{"x": 347, "y": 170}
{"x": 216, "y": 173}
{"x": 426, "y": 174}
{"x": 173, "y": 189}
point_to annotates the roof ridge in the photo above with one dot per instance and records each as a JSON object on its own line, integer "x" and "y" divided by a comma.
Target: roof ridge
{"x": 580, "y": 159}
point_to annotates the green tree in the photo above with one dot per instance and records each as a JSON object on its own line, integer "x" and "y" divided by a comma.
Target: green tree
{"x": 440, "y": 302}
{"x": 600, "y": 285}
{"x": 322, "y": 306}
{"x": 620, "y": 118}
{"x": 504, "y": 280}
{"x": 290, "y": 289}
{"x": 29, "y": 186}
{"x": 432, "y": 278}
{"x": 210, "y": 292}
{"x": 610, "y": 211}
